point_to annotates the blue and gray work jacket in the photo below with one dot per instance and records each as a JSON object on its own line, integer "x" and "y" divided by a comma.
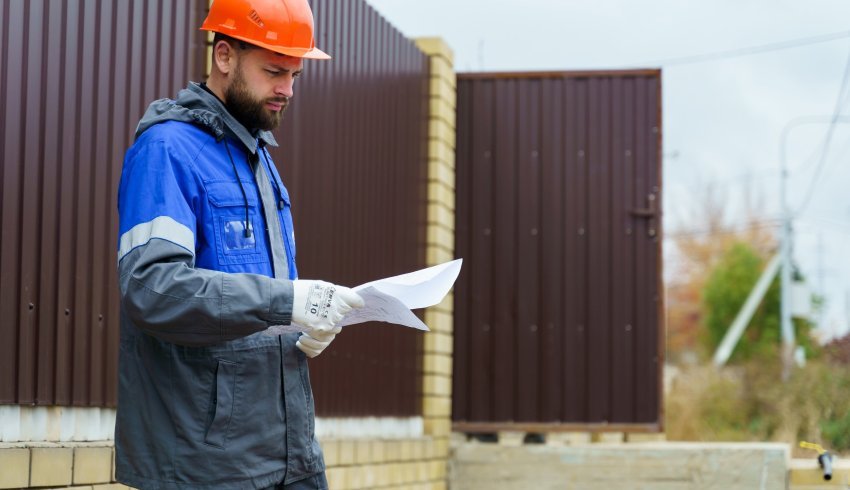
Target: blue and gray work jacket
{"x": 206, "y": 259}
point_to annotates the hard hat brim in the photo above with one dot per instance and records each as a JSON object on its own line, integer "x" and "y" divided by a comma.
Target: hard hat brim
{"x": 308, "y": 53}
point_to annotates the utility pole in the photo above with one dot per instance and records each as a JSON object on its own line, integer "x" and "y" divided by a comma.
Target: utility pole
{"x": 787, "y": 327}
{"x": 821, "y": 313}
{"x": 821, "y": 270}
{"x": 742, "y": 319}
{"x": 847, "y": 307}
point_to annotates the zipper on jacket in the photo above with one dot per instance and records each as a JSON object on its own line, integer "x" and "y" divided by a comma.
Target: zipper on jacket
{"x": 242, "y": 188}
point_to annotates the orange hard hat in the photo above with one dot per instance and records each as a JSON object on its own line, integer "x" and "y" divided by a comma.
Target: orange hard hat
{"x": 282, "y": 26}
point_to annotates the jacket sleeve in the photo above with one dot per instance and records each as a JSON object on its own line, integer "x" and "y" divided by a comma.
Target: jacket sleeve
{"x": 161, "y": 291}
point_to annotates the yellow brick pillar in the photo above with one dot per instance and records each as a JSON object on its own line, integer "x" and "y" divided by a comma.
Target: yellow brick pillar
{"x": 437, "y": 355}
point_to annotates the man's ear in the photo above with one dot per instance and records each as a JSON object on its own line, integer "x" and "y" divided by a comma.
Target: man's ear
{"x": 224, "y": 57}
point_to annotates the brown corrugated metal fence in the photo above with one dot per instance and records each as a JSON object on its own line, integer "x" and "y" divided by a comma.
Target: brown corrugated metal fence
{"x": 353, "y": 154}
{"x": 558, "y": 308}
{"x": 76, "y": 77}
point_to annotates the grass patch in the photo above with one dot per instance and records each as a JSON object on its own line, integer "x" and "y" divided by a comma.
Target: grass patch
{"x": 749, "y": 402}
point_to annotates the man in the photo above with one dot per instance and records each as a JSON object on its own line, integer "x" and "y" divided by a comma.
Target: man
{"x": 206, "y": 263}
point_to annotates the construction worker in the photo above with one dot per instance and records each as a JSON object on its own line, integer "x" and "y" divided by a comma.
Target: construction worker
{"x": 206, "y": 260}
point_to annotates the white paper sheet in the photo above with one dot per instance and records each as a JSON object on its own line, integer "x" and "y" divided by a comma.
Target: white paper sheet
{"x": 382, "y": 307}
{"x": 419, "y": 289}
{"x": 390, "y": 300}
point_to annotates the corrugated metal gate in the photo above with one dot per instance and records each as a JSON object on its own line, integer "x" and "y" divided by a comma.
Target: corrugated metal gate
{"x": 78, "y": 74}
{"x": 558, "y": 309}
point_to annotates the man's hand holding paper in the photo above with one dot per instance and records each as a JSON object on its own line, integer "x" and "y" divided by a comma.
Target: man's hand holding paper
{"x": 390, "y": 300}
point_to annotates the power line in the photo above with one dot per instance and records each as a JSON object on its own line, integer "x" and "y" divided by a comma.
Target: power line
{"x": 829, "y": 223}
{"x": 738, "y": 179}
{"x": 753, "y": 176}
{"x": 813, "y": 156}
{"x": 731, "y": 230}
{"x": 734, "y": 53}
{"x": 836, "y": 113}
{"x": 760, "y": 173}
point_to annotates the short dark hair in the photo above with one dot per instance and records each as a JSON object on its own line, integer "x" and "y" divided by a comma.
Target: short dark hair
{"x": 235, "y": 43}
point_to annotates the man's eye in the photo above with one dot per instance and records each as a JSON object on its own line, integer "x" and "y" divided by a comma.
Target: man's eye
{"x": 273, "y": 72}
{"x": 296, "y": 74}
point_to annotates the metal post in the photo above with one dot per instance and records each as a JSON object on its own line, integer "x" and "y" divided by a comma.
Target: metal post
{"x": 787, "y": 326}
{"x": 742, "y": 319}
{"x": 785, "y": 316}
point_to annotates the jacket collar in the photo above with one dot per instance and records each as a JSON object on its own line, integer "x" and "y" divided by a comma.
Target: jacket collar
{"x": 197, "y": 106}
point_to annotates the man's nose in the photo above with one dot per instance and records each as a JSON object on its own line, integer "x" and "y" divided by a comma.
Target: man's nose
{"x": 285, "y": 89}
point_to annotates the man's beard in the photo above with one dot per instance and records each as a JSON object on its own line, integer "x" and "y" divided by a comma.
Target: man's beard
{"x": 249, "y": 111}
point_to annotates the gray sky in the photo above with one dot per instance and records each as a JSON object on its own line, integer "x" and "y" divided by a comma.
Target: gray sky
{"x": 722, "y": 119}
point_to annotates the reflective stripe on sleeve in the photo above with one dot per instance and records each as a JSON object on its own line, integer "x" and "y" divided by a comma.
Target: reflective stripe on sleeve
{"x": 163, "y": 227}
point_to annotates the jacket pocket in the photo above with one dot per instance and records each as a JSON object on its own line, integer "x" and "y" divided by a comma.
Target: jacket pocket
{"x": 314, "y": 452}
{"x": 222, "y": 403}
{"x": 237, "y": 240}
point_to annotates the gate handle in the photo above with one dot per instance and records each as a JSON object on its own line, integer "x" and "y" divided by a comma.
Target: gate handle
{"x": 647, "y": 213}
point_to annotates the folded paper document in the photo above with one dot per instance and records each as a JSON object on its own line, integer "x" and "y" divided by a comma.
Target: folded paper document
{"x": 390, "y": 300}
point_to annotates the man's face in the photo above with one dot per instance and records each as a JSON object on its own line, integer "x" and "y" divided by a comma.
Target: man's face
{"x": 261, "y": 87}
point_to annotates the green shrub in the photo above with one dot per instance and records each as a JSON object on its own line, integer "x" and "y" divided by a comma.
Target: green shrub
{"x": 727, "y": 288}
{"x": 837, "y": 432}
{"x": 748, "y": 402}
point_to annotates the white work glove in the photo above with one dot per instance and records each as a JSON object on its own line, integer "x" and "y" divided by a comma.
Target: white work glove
{"x": 319, "y": 306}
{"x": 315, "y": 342}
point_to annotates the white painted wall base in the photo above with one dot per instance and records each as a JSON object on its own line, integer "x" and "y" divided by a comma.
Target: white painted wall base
{"x": 369, "y": 427}
{"x": 67, "y": 424}
{"x": 55, "y": 424}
